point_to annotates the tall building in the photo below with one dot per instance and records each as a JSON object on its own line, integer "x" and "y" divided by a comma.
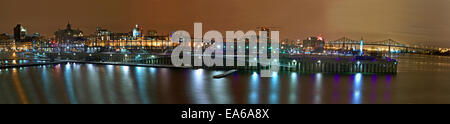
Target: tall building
{"x": 137, "y": 32}
{"x": 314, "y": 44}
{"x": 68, "y": 34}
{"x": 19, "y": 33}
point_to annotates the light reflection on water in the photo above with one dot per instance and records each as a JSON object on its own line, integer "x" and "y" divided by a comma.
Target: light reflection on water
{"x": 199, "y": 87}
{"x": 254, "y": 88}
{"x": 110, "y": 79}
{"x": 123, "y": 84}
{"x": 274, "y": 84}
{"x": 357, "y": 91}
{"x": 69, "y": 85}
{"x": 142, "y": 85}
{"x": 87, "y": 83}
{"x": 47, "y": 86}
{"x": 318, "y": 88}
{"x": 293, "y": 88}
{"x": 94, "y": 84}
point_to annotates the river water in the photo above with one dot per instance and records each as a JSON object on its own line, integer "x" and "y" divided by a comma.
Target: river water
{"x": 421, "y": 79}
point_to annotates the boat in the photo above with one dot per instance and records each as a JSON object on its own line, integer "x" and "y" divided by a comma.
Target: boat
{"x": 225, "y": 74}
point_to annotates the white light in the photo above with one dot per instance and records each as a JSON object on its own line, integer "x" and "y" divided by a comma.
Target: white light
{"x": 255, "y": 74}
{"x": 199, "y": 72}
{"x": 274, "y": 74}
{"x": 293, "y": 75}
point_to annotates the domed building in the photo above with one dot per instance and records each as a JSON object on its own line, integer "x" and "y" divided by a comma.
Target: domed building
{"x": 68, "y": 34}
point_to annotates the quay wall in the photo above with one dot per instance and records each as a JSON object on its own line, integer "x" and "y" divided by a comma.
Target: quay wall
{"x": 307, "y": 64}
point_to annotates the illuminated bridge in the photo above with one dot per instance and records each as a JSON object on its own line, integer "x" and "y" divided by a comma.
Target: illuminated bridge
{"x": 387, "y": 45}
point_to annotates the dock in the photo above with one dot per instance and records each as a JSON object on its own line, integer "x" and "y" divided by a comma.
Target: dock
{"x": 291, "y": 63}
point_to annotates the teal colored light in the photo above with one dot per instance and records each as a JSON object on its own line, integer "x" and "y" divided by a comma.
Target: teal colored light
{"x": 254, "y": 89}
{"x": 274, "y": 89}
{"x": 293, "y": 88}
{"x": 69, "y": 86}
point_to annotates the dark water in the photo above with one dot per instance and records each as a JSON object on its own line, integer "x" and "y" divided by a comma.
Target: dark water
{"x": 421, "y": 79}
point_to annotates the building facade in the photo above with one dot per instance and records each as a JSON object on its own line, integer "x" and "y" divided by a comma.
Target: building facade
{"x": 314, "y": 44}
{"x": 68, "y": 35}
{"x": 137, "y": 32}
{"x": 103, "y": 34}
{"x": 19, "y": 33}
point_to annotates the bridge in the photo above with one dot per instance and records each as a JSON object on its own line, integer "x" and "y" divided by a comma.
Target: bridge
{"x": 348, "y": 43}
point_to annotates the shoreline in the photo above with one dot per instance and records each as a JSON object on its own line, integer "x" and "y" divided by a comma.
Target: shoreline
{"x": 87, "y": 62}
{"x": 30, "y": 65}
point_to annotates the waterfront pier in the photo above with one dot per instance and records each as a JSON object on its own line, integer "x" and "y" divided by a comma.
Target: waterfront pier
{"x": 293, "y": 63}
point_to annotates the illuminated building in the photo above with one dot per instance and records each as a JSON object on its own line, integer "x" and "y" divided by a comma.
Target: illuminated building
{"x": 103, "y": 34}
{"x": 21, "y": 41}
{"x": 137, "y": 32}
{"x": 291, "y": 46}
{"x": 5, "y": 42}
{"x": 314, "y": 44}
{"x": 131, "y": 41}
{"x": 19, "y": 33}
{"x": 68, "y": 35}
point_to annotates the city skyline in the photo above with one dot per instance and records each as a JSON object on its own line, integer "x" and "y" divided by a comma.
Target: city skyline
{"x": 378, "y": 20}
{"x": 211, "y": 52}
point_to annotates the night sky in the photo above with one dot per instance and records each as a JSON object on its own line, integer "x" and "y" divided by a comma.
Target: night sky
{"x": 408, "y": 21}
